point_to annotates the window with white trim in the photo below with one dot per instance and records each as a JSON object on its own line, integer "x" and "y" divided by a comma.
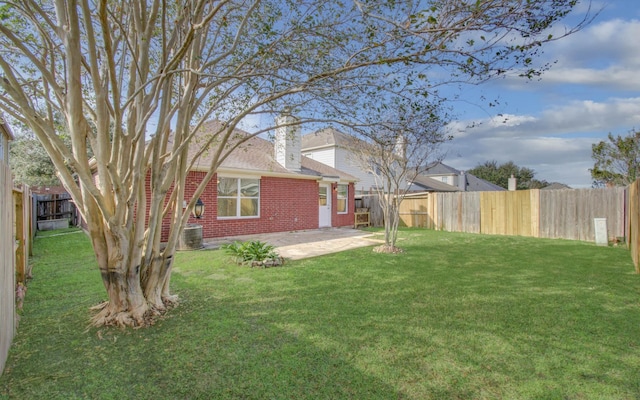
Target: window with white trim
{"x": 343, "y": 199}
{"x": 238, "y": 197}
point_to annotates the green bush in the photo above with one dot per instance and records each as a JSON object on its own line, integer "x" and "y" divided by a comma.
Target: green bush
{"x": 253, "y": 252}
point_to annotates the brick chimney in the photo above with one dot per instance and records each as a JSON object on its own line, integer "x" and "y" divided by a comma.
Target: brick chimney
{"x": 288, "y": 147}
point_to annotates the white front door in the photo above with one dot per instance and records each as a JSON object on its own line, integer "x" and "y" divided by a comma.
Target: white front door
{"x": 324, "y": 205}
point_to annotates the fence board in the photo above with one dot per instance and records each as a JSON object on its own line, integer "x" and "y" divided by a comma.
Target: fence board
{"x": 633, "y": 234}
{"x": 458, "y": 212}
{"x": 510, "y": 213}
{"x": 569, "y": 214}
{"x": 22, "y": 231}
{"x": 7, "y": 272}
{"x": 371, "y": 202}
{"x": 414, "y": 212}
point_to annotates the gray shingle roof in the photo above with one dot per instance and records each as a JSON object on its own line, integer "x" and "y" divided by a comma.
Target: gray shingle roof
{"x": 257, "y": 155}
{"x": 556, "y": 186}
{"x": 328, "y": 137}
{"x": 439, "y": 168}
{"x": 430, "y": 184}
{"x": 474, "y": 184}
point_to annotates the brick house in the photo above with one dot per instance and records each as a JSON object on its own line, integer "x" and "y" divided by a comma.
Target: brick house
{"x": 264, "y": 187}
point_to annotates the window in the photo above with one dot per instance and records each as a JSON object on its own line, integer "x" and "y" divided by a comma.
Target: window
{"x": 323, "y": 196}
{"x": 238, "y": 197}
{"x": 343, "y": 196}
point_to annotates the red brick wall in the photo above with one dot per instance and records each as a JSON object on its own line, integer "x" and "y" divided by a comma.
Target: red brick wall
{"x": 342, "y": 219}
{"x": 285, "y": 205}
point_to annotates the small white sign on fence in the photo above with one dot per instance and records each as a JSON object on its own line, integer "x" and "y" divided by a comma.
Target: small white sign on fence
{"x": 600, "y": 225}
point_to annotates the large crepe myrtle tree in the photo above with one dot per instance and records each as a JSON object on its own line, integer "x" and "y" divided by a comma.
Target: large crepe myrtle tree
{"x": 133, "y": 82}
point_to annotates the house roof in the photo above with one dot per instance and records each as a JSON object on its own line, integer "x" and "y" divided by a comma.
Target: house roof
{"x": 438, "y": 168}
{"x": 556, "y": 186}
{"x": 474, "y": 184}
{"x": 257, "y": 155}
{"x": 432, "y": 185}
{"x": 57, "y": 190}
{"x": 328, "y": 137}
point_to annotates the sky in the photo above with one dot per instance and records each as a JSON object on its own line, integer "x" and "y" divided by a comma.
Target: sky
{"x": 549, "y": 124}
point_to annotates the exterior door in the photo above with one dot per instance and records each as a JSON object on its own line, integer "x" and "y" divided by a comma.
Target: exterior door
{"x": 324, "y": 205}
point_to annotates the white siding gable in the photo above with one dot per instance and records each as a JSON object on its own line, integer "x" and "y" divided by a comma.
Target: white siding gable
{"x": 346, "y": 162}
{"x": 326, "y": 156}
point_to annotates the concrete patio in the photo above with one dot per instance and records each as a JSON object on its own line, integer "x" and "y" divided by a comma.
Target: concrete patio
{"x": 297, "y": 245}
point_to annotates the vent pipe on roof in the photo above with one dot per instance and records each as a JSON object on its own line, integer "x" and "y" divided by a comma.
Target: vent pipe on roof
{"x": 288, "y": 147}
{"x": 462, "y": 181}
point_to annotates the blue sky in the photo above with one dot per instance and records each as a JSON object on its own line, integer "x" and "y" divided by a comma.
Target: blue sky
{"x": 549, "y": 124}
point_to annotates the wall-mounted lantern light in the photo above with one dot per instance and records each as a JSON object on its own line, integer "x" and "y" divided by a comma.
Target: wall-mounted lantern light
{"x": 198, "y": 209}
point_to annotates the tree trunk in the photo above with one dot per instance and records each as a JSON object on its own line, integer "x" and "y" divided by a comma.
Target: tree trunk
{"x": 137, "y": 293}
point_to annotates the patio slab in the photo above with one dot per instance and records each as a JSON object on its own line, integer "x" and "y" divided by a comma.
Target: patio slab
{"x": 297, "y": 245}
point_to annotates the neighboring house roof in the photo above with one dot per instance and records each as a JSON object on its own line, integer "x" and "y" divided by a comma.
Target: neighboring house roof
{"x": 44, "y": 190}
{"x": 258, "y": 155}
{"x": 556, "y": 186}
{"x": 432, "y": 185}
{"x": 438, "y": 168}
{"x": 474, "y": 184}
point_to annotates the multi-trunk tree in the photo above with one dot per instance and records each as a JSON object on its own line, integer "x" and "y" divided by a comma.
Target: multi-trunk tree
{"x": 404, "y": 142}
{"x": 131, "y": 82}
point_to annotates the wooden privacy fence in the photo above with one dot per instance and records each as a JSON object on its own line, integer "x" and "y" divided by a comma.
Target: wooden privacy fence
{"x": 22, "y": 231}
{"x": 15, "y": 248}
{"x": 51, "y": 207}
{"x": 567, "y": 214}
{"x": 633, "y": 227}
{"x": 7, "y": 257}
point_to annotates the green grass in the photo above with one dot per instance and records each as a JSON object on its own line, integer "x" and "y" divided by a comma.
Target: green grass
{"x": 457, "y": 316}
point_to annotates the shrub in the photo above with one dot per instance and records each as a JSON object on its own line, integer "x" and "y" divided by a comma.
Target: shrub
{"x": 254, "y": 253}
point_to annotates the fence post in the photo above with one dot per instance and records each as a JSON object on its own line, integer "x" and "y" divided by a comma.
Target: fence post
{"x": 19, "y": 235}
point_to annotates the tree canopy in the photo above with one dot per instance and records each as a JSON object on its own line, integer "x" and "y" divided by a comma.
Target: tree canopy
{"x": 131, "y": 83}
{"x": 500, "y": 173}
{"x": 30, "y": 163}
{"x": 616, "y": 160}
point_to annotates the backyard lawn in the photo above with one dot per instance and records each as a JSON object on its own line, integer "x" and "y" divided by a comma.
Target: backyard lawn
{"x": 457, "y": 316}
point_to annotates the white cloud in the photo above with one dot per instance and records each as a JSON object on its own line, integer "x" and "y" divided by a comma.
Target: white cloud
{"x": 556, "y": 143}
{"x": 550, "y": 125}
{"x": 584, "y": 116}
{"x": 604, "y": 54}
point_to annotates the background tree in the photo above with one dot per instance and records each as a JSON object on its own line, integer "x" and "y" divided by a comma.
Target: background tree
{"x": 400, "y": 147}
{"x": 134, "y": 81}
{"x": 500, "y": 173}
{"x": 617, "y": 160}
{"x": 30, "y": 163}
